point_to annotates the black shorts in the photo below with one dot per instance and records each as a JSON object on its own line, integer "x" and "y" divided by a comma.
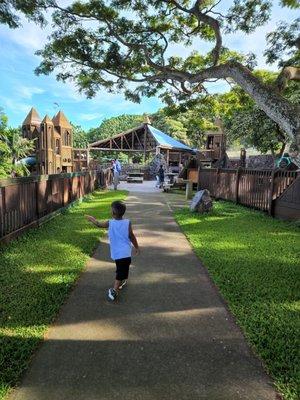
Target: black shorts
{"x": 122, "y": 269}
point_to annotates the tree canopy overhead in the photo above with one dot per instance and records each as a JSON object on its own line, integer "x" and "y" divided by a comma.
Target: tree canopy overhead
{"x": 129, "y": 46}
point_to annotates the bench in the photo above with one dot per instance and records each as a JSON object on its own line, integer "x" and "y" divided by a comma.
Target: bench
{"x": 167, "y": 187}
{"x": 180, "y": 183}
{"x": 137, "y": 177}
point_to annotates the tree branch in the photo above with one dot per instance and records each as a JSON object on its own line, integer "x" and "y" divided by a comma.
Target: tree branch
{"x": 286, "y": 75}
{"x": 206, "y": 19}
{"x": 214, "y": 24}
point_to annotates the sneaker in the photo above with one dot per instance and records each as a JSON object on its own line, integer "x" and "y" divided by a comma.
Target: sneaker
{"x": 124, "y": 282}
{"x": 112, "y": 294}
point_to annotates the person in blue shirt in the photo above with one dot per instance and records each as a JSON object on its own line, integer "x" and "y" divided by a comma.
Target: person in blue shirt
{"x": 116, "y": 166}
{"x": 121, "y": 238}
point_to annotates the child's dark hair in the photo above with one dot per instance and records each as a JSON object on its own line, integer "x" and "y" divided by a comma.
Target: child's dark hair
{"x": 118, "y": 208}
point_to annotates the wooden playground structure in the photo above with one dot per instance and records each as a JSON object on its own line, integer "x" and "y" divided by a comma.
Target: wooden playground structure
{"x": 149, "y": 141}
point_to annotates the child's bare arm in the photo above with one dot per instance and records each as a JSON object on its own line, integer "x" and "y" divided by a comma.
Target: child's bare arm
{"x": 99, "y": 224}
{"x": 133, "y": 239}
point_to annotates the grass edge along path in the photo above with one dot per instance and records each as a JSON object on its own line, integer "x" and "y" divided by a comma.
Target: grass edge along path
{"x": 254, "y": 261}
{"x": 37, "y": 271}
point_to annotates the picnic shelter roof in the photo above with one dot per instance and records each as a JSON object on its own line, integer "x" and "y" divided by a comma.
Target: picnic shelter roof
{"x": 141, "y": 138}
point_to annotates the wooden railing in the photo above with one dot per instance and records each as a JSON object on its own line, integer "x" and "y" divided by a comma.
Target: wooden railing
{"x": 27, "y": 202}
{"x": 253, "y": 188}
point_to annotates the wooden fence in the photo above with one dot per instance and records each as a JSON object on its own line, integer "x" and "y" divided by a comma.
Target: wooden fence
{"x": 257, "y": 189}
{"x": 28, "y": 202}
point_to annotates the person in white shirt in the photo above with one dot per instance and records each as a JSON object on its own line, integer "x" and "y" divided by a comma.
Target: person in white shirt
{"x": 121, "y": 239}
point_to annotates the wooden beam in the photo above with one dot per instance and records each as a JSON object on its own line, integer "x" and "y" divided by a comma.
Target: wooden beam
{"x": 140, "y": 143}
{"x": 110, "y": 144}
{"x": 128, "y": 144}
{"x": 132, "y": 137}
{"x": 116, "y": 144}
{"x": 145, "y": 142}
{"x": 124, "y": 150}
{"x": 88, "y": 158}
{"x": 118, "y": 135}
{"x": 122, "y": 137}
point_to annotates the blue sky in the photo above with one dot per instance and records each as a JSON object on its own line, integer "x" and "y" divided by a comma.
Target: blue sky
{"x": 20, "y": 88}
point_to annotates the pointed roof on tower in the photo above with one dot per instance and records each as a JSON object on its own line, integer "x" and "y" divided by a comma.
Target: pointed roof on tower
{"x": 61, "y": 120}
{"x": 147, "y": 119}
{"x": 32, "y": 118}
{"x": 47, "y": 120}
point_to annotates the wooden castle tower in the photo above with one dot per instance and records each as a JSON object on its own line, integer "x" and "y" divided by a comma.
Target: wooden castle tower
{"x": 53, "y": 142}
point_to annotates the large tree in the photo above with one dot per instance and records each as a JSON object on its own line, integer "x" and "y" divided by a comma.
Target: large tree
{"x": 188, "y": 122}
{"x": 80, "y": 137}
{"x": 128, "y": 45}
{"x": 245, "y": 122}
{"x": 173, "y": 126}
{"x": 252, "y": 128}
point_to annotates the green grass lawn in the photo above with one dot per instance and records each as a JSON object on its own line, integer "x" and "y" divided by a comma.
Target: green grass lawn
{"x": 255, "y": 262}
{"x": 36, "y": 273}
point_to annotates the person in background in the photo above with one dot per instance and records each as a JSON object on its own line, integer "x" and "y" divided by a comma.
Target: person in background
{"x": 161, "y": 175}
{"x": 118, "y": 164}
{"x": 116, "y": 171}
{"x": 157, "y": 184}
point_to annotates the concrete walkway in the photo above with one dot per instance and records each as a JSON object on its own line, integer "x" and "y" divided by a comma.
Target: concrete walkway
{"x": 169, "y": 336}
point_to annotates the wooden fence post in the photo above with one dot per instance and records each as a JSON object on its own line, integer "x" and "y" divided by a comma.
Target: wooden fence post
{"x": 37, "y": 200}
{"x": 270, "y": 205}
{"x": 198, "y": 180}
{"x": 2, "y": 204}
{"x": 189, "y": 190}
{"x": 217, "y": 192}
{"x": 89, "y": 185}
{"x": 79, "y": 187}
{"x": 51, "y": 194}
{"x": 237, "y": 183}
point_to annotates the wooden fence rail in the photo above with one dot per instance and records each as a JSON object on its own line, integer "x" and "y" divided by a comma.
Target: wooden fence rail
{"x": 28, "y": 202}
{"x": 257, "y": 189}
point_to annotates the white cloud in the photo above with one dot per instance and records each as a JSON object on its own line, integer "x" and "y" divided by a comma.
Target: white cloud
{"x": 90, "y": 116}
{"x": 26, "y": 92}
{"x": 15, "y": 106}
{"x": 29, "y": 36}
{"x": 65, "y": 92}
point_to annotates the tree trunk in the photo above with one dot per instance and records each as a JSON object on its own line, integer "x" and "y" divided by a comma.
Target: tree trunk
{"x": 281, "y": 150}
{"x": 281, "y": 139}
{"x": 284, "y": 113}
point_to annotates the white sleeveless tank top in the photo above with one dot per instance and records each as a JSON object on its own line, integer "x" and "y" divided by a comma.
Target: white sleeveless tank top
{"x": 118, "y": 233}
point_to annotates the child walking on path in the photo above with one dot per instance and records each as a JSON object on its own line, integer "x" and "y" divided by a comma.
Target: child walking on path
{"x": 121, "y": 239}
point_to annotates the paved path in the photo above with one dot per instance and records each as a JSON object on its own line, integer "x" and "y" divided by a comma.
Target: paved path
{"x": 169, "y": 336}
